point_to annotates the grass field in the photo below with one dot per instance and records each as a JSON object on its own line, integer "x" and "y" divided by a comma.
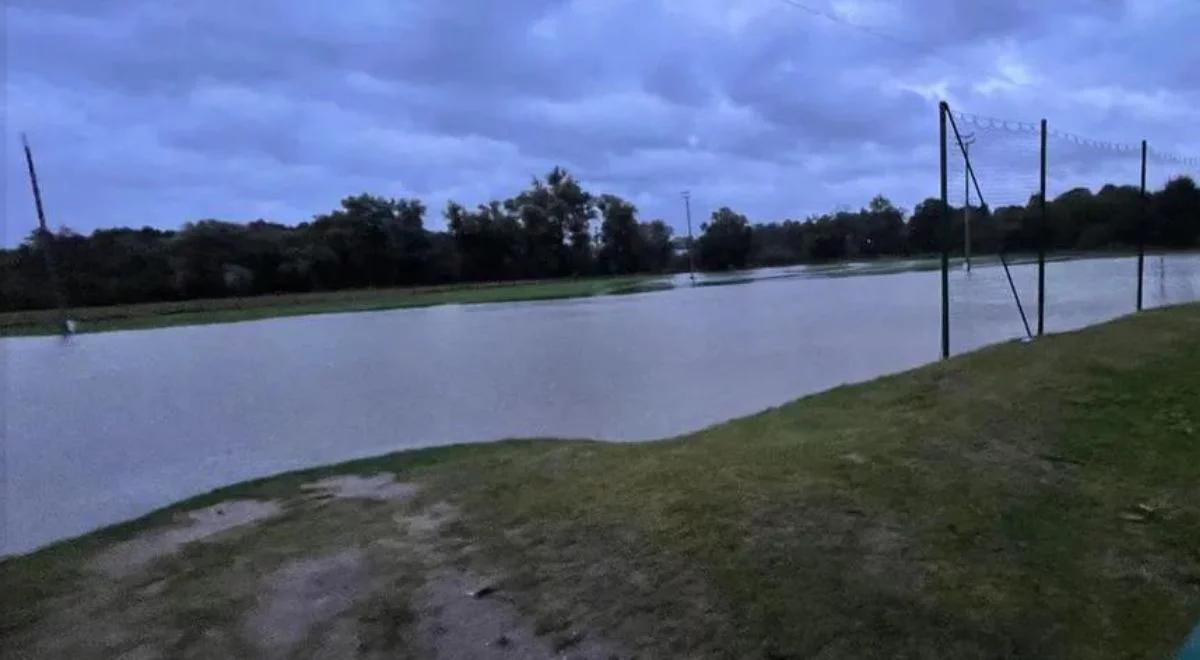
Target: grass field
{"x": 224, "y": 310}
{"x": 1025, "y": 501}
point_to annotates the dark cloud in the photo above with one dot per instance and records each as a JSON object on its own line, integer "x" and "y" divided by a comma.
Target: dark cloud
{"x": 157, "y": 113}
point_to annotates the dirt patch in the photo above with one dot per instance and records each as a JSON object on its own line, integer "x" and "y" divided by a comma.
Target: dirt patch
{"x": 403, "y": 582}
{"x": 462, "y": 615}
{"x": 423, "y": 524}
{"x": 381, "y": 486}
{"x": 455, "y": 624}
{"x": 304, "y": 596}
{"x": 126, "y": 558}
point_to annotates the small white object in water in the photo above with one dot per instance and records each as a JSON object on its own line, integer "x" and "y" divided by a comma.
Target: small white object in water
{"x": 69, "y": 326}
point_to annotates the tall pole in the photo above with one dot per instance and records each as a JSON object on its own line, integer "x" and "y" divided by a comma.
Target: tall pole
{"x": 33, "y": 182}
{"x": 687, "y": 205}
{"x": 1042, "y": 240}
{"x": 968, "y": 140}
{"x": 44, "y": 236}
{"x": 1141, "y": 261}
{"x": 943, "y": 108}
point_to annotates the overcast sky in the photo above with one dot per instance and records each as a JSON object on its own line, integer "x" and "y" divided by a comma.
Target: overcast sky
{"x": 157, "y": 113}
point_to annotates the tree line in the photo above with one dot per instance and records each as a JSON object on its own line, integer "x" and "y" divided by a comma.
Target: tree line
{"x": 553, "y": 228}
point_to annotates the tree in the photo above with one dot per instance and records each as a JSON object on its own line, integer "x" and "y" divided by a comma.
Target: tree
{"x": 489, "y": 241}
{"x": 827, "y": 239}
{"x": 883, "y": 228}
{"x": 127, "y": 265}
{"x": 200, "y": 253}
{"x": 1175, "y": 214}
{"x": 377, "y": 241}
{"x": 725, "y": 241}
{"x": 546, "y": 230}
{"x": 925, "y": 227}
{"x": 1124, "y": 209}
{"x": 781, "y": 243}
{"x": 655, "y": 246}
{"x": 543, "y": 233}
{"x": 1068, "y": 215}
{"x": 555, "y": 216}
{"x": 408, "y": 242}
{"x": 573, "y": 210}
{"x": 620, "y": 240}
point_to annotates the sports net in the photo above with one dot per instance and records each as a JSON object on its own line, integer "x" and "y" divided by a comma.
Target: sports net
{"x": 992, "y": 181}
{"x": 1172, "y": 232}
{"x": 1094, "y": 223}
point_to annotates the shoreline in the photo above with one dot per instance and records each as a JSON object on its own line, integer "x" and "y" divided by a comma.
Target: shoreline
{"x": 146, "y": 316}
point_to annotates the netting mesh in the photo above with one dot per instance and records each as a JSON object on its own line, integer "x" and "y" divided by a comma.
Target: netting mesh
{"x": 1163, "y": 166}
{"x": 991, "y": 207}
{"x": 1094, "y": 220}
{"x": 1094, "y": 188}
{"x": 1095, "y": 206}
{"x": 1172, "y": 271}
{"x": 1004, "y": 157}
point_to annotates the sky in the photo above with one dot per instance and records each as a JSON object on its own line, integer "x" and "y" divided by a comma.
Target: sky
{"x": 143, "y": 112}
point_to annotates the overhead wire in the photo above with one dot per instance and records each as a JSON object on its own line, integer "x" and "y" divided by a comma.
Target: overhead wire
{"x": 836, "y": 18}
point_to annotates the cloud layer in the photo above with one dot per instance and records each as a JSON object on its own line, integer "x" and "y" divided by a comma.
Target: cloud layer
{"x": 158, "y": 113}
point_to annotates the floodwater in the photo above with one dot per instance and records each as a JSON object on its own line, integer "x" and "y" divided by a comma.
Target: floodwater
{"x": 105, "y": 427}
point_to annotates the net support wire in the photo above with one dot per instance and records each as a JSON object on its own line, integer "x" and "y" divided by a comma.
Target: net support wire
{"x": 983, "y": 204}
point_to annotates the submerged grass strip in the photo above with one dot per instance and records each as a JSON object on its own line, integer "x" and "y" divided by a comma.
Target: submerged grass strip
{"x": 226, "y": 310}
{"x": 1027, "y": 500}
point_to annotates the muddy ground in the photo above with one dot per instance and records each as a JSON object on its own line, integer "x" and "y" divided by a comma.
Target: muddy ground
{"x": 353, "y": 566}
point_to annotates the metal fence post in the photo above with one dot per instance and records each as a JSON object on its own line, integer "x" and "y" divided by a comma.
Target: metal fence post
{"x": 943, "y": 108}
{"x": 1141, "y": 260}
{"x": 1042, "y": 242}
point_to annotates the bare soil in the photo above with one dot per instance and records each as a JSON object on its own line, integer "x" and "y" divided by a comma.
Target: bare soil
{"x": 348, "y": 567}
{"x": 126, "y": 558}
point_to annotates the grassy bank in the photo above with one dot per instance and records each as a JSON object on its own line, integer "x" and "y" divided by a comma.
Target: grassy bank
{"x": 1029, "y": 500}
{"x": 224, "y": 310}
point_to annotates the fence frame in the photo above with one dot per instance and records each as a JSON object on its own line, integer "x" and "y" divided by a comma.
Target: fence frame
{"x": 943, "y": 112}
{"x": 946, "y": 117}
{"x": 1042, "y": 226}
{"x": 1141, "y": 238}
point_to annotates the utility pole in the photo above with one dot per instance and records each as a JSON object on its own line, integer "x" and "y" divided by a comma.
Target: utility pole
{"x": 46, "y": 241}
{"x": 33, "y": 182}
{"x": 967, "y": 141}
{"x": 687, "y": 205}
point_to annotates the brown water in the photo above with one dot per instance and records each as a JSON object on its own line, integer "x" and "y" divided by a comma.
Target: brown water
{"x": 105, "y": 427}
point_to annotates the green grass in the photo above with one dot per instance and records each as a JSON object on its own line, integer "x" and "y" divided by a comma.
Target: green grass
{"x": 1024, "y": 501}
{"x": 226, "y": 310}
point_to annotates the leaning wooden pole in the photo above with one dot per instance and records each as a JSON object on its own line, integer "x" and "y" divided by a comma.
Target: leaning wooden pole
{"x": 45, "y": 240}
